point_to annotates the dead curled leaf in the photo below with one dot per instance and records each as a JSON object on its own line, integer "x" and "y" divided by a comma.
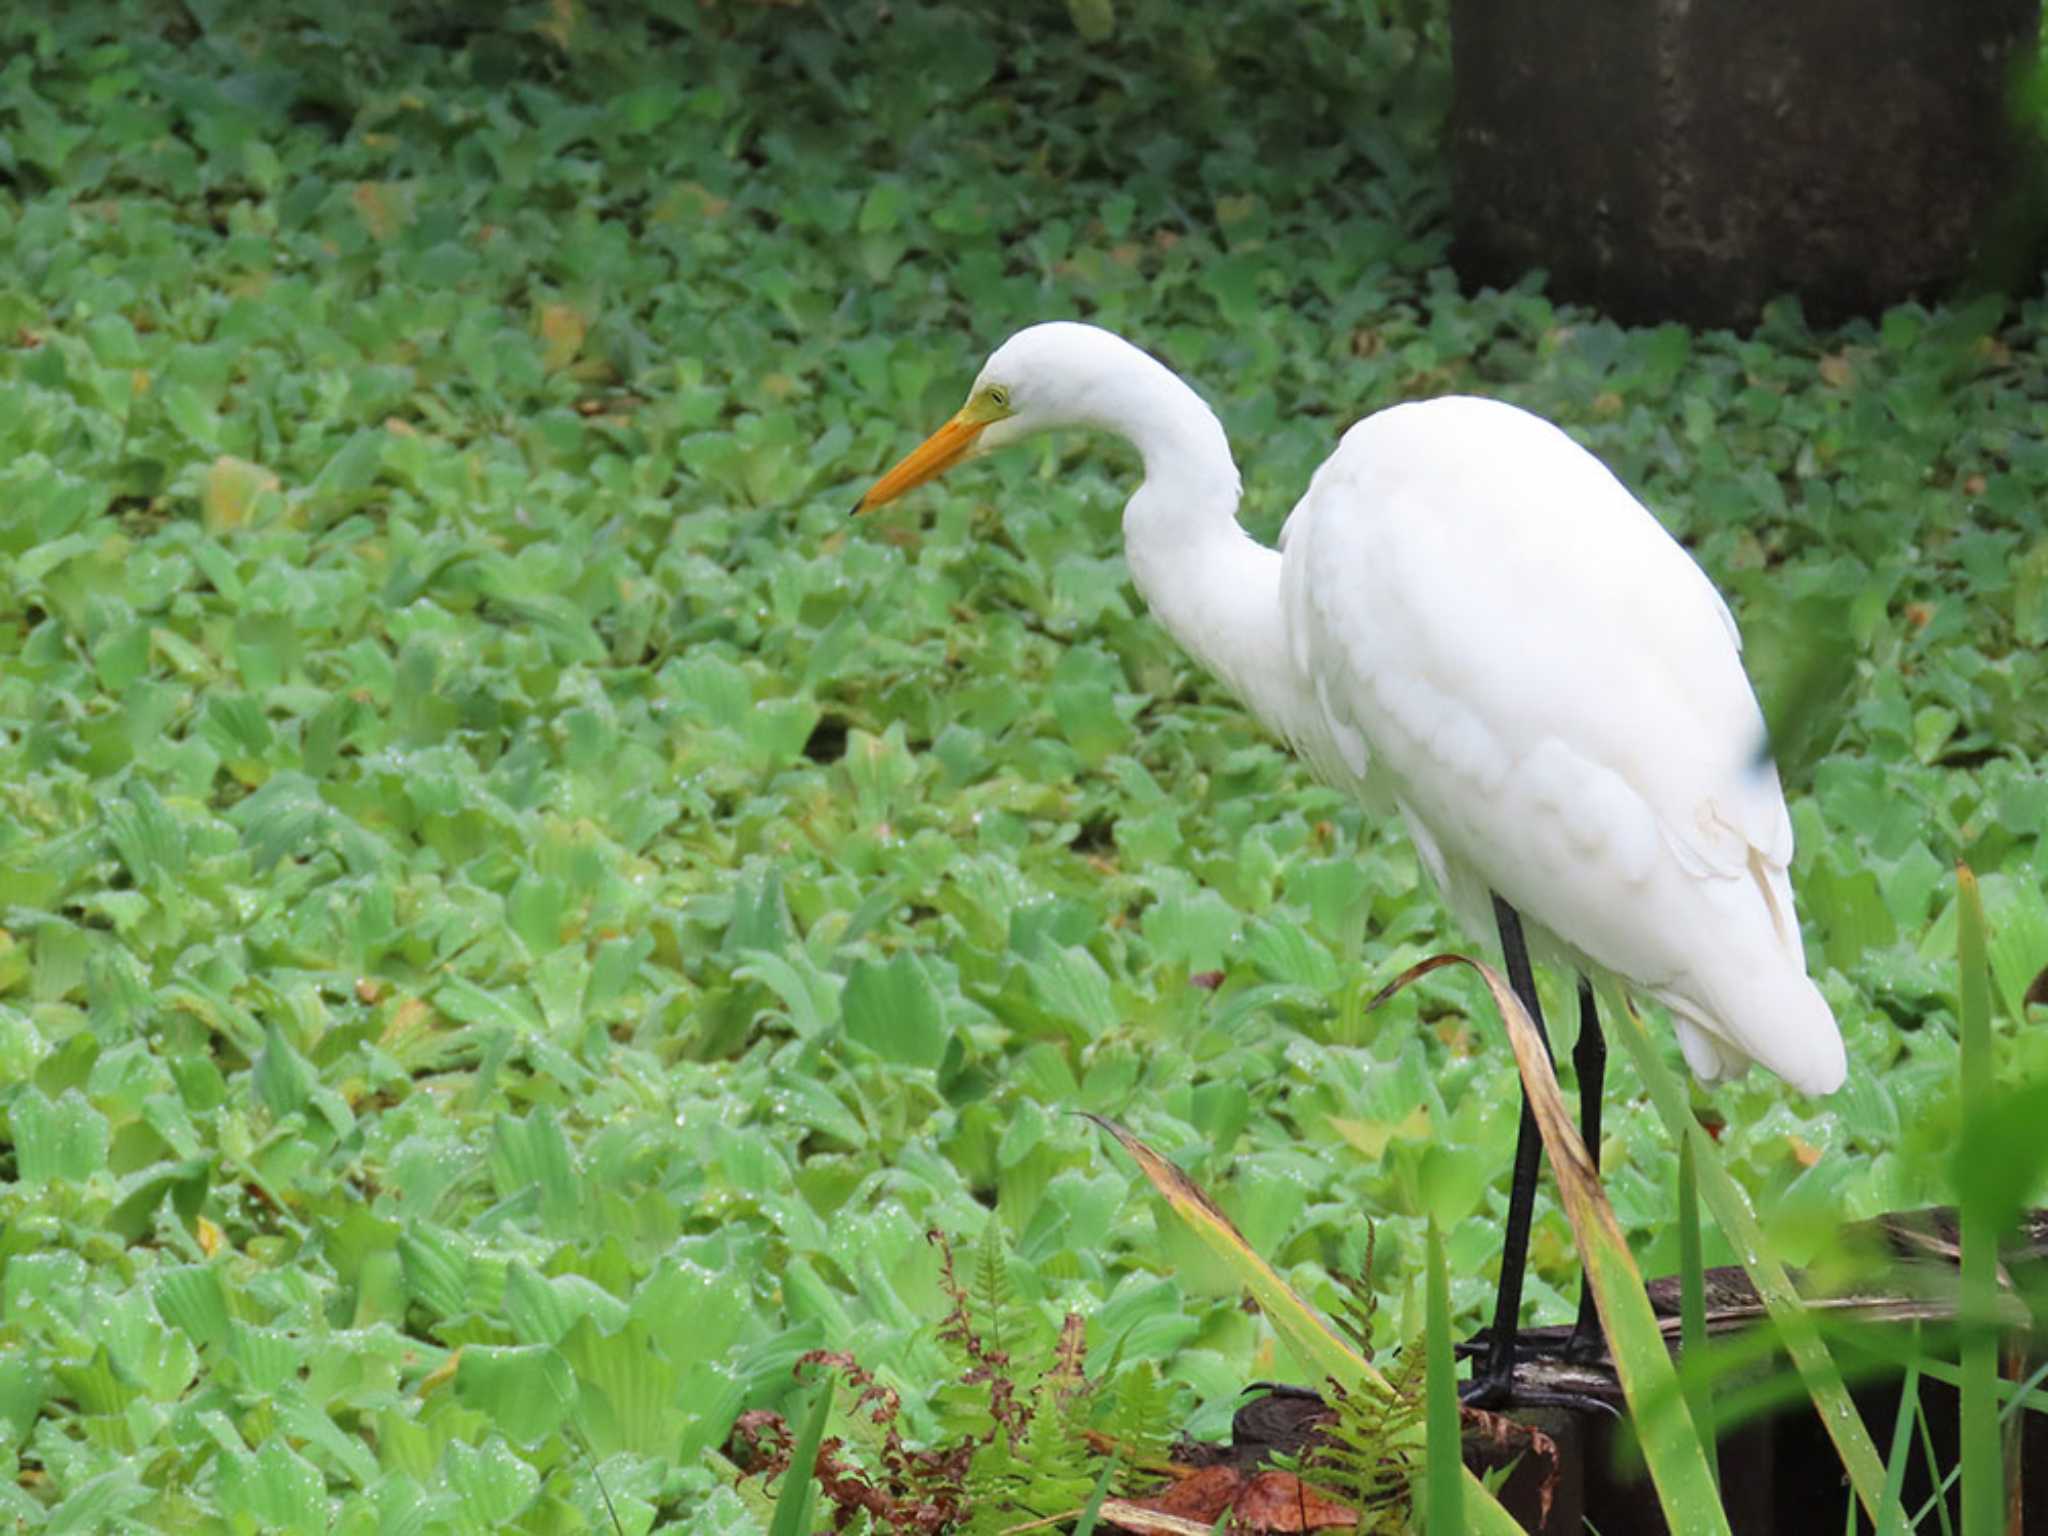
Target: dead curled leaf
{"x": 1268, "y": 1501}
{"x": 1506, "y": 1438}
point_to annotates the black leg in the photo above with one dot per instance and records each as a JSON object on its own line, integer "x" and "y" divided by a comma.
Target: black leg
{"x": 1494, "y": 1383}
{"x": 1589, "y": 1055}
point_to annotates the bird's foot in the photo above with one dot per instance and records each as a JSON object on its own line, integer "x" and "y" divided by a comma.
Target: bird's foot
{"x": 1584, "y": 1347}
{"x": 1493, "y": 1391}
{"x": 1506, "y": 1396}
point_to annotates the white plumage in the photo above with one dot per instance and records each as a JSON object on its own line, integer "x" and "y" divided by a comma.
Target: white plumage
{"x": 1471, "y": 621}
{"x": 1553, "y": 694}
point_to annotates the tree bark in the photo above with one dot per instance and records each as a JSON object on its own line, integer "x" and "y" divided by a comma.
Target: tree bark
{"x": 1684, "y": 160}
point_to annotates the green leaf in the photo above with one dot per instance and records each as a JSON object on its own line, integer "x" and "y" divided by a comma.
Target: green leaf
{"x": 799, "y": 1492}
{"x": 542, "y": 1310}
{"x": 884, "y": 205}
{"x": 285, "y": 1080}
{"x": 191, "y": 1297}
{"x": 491, "y": 1483}
{"x": 436, "y": 1270}
{"x": 192, "y": 416}
{"x": 1933, "y": 725}
{"x": 268, "y": 1357}
{"x": 534, "y": 1154}
{"x": 1857, "y": 918}
{"x": 1071, "y": 984}
{"x": 1445, "y": 1489}
{"x": 23, "y": 1391}
{"x": 894, "y": 1010}
{"x": 2030, "y": 595}
{"x": 760, "y": 915}
{"x": 97, "y": 1384}
{"x": 1902, "y": 1445}
{"x": 809, "y": 995}
{"x": 1095, "y": 20}
{"x": 1089, "y": 720}
{"x": 161, "y": 1360}
{"x": 697, "y": 1315}
{"x": 65, "y": 1139}
{"x": 275, "y": 1489}
{"x": 1287, "y": 952}
{"x": 1692, "y": 1310}
{"x": 1192, "y": 930}
{"x": 525, "y": 1390}
{"x": 2017, "y": 943}
{"x": 100, "y": 1502}
{"x": 627, "y": 1389}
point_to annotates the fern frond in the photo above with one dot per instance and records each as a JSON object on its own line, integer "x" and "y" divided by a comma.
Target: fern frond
{"x": 1138, "y": 1410}
{"x": 1367, "y": 1457}
{"x": 1367, "y": 1452}
{"x": 1359, "y": 1305}
{"x": 992, "y": 1293}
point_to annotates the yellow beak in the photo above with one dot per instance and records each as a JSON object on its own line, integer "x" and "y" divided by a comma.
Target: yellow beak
{"x": 934, "y": 456}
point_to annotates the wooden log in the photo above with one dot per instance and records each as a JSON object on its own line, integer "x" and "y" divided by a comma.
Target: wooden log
{"x": 1789, "y": 1478}
{"x": 1666, "y": 160}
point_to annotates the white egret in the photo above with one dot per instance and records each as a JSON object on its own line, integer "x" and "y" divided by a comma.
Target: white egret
{"x": 1471, "y": 622}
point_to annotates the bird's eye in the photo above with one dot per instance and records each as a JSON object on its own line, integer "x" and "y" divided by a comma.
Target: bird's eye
{"x": 998, "y": 396}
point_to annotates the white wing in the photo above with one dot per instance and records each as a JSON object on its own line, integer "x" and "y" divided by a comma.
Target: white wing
{"x": 1552, "y": 693}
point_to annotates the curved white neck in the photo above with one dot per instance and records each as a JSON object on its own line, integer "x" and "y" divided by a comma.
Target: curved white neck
{"x": 1214, "y": 587}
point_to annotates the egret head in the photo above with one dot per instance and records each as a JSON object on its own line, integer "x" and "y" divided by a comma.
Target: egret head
{"x": 1042, "y": 377}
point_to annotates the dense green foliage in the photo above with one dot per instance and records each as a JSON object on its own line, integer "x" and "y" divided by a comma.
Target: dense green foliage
{"x": 491, "y": 857}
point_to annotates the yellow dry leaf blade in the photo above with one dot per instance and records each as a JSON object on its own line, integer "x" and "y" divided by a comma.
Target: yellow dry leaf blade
{"x": 381, "y": 207}
{"x": 560, "y": 26}
{"x": 1306, "y": 1331}
{"x": 232, "y": 486}
{"x": 1373, "y": 1136}
{"x": 562, "y": 329}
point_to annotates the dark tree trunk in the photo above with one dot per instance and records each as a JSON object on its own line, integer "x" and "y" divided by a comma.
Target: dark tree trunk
{"x": 1692, "y": 159}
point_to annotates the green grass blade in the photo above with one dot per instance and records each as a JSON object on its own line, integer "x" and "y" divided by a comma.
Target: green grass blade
{"x": 1894, "y": 1520}
{"x": 1445, "y": 1500}
{"x": 1307, "y": 1332}
{"x": 1983, "y": 1473}
{"x": 1937, "y": 1502}
{"x": 1692, "y": 1310}
{"x": 1670, "y": 1444}
{"x": 2014, "y": 1397}
{"x": 799, "y": 1484}
{"x": 1091, "y": 1512}
{"x": 1738, "y": 1222}
{"x": 2022, "y": 1395}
